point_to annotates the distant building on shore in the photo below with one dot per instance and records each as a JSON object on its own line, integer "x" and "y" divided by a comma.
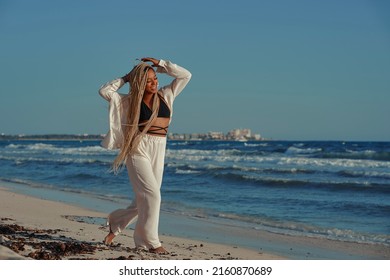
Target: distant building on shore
{"x": 233, "y": 135}
{"x": 242, "y": 135}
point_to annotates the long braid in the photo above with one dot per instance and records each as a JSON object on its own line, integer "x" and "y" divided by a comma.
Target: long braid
{"x": 132, "y": 135}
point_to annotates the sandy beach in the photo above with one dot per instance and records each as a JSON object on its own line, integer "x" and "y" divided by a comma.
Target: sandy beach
{"x": 41, "y": 229}
{"x": 34, "y": 228}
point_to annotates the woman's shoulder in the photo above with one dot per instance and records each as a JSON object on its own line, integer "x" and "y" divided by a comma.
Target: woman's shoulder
{"x": 167, "y": 95}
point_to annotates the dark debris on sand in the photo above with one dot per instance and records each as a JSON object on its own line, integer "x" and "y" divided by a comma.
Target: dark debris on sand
{"x": 42, "y": 244}
{"x": 51, "y": 244}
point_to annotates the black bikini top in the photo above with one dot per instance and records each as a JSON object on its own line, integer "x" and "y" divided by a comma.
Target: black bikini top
{"x": 146, "y": 112}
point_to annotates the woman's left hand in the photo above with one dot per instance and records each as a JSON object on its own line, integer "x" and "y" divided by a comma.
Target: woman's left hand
{"x": 152, "y": 60}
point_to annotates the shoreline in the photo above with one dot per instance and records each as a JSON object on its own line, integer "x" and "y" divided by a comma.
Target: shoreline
{"x": 35, "y": 228}
{"x": 182, "y": 235}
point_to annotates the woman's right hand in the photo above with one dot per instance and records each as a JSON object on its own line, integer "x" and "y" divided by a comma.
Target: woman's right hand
{"x": 152, "y": 60}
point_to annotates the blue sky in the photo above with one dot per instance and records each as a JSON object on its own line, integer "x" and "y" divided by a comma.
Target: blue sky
{"x": 295, "y": 70}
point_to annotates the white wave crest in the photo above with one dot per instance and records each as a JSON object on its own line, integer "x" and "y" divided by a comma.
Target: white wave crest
{"x": 295, "y": 150}
{"x": 43, "y": 147}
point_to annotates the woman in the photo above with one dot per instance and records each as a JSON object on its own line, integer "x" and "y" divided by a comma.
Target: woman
{"x": 138, "y": 127}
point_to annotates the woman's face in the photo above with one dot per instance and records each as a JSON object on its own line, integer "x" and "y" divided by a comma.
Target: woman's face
{"x": 151, "y": 82}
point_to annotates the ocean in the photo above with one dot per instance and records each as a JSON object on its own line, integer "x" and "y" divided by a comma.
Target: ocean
{"x": 329, "y": 189}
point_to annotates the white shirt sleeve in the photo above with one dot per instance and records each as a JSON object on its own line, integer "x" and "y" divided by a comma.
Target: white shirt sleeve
{"x": 107, "y": 90}
{"x": 182, "y": 76}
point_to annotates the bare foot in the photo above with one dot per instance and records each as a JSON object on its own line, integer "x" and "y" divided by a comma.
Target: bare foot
{"x": 108, "y": 239}
{"x": 159, "y": 250}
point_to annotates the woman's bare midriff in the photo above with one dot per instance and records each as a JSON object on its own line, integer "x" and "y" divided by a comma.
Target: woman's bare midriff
{"x": 160, "y": 122}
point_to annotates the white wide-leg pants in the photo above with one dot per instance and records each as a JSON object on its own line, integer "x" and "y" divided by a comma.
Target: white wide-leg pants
{"x": 145, "y": 169}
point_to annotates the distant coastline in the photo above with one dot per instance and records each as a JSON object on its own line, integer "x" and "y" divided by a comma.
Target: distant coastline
{"x": 233, "y": 135}
{"x": 48, "y": 137}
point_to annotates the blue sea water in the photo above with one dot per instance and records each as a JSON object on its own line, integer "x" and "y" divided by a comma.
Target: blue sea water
{"x": 330, "y": 189}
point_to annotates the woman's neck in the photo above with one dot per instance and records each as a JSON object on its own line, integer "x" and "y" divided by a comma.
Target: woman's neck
{"x": 148, "y": 99}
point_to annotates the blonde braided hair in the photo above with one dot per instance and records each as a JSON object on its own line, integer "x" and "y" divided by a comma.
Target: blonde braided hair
{"x": 132, "y": 135}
